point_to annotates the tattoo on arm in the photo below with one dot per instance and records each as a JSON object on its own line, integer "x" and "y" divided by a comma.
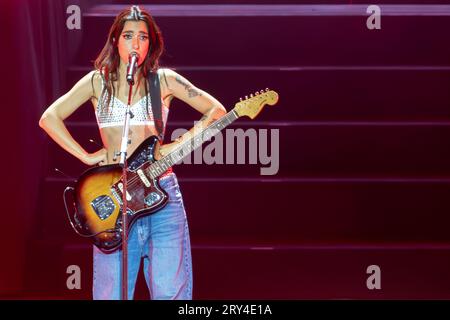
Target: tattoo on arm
{"x": 191, "y": 91}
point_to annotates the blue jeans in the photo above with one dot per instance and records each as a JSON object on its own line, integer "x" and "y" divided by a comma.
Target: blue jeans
{"x": 162, "y": 240}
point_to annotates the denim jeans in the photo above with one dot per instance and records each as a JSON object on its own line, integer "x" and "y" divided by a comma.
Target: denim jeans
{"x": 162, "y": 240}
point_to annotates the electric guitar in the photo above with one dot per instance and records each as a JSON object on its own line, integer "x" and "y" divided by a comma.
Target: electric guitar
{"x": 97, "y": 195}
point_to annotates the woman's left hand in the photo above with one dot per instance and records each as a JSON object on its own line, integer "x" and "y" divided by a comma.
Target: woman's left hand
{"x": 165, "y": 149}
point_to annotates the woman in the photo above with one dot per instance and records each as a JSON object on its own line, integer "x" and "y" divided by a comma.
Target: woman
{"x": 162, "y": 238}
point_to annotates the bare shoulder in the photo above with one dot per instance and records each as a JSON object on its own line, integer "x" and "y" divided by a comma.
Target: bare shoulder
{"x": 165, "y": 72}
{"x": 88, "y": 85}
{"x": 85, "y": 87}
{"x": 171, "y": 77}
{"x": 165, "y": 75}
{"x": 96, "y": 82}
{"x": 81, "y": 92}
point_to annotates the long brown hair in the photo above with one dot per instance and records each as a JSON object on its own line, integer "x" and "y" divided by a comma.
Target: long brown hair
{"x": 108, "y": 60}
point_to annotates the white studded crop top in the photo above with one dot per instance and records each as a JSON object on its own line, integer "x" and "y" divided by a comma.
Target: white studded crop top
{"x": 114, "y": 115}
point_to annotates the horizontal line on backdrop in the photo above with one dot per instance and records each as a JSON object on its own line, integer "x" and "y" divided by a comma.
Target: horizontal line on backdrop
{"x": 300, "y": 180}
{"x": 247, "y": 10}
{"x": 294, "y": 68}
{"x": 298, "y": 124}
{"x": 393, "y": 246}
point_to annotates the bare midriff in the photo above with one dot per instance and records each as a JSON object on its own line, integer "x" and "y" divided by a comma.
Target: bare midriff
{"x": 112, "y": 138}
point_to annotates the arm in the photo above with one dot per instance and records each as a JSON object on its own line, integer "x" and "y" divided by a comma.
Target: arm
{"x": 179, "y": 87}
{"x": 52, "y": 121}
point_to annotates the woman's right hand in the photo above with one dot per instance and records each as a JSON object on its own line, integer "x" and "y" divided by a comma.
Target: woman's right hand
{"x": 99, "y": 157}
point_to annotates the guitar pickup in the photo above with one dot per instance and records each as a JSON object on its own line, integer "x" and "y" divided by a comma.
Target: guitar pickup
{"x": 143, "y": 178}
{"x": 116, "y": 195}
{"x": 120, "y": 185}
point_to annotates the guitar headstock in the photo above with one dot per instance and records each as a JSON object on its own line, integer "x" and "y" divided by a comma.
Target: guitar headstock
{"x": 252, "y": 106}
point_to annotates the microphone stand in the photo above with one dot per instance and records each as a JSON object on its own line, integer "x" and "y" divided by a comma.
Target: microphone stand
{"x": 123, "y": 162}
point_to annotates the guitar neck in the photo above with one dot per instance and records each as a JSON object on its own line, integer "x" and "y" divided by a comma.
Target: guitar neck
{"x": 159, "y": 167}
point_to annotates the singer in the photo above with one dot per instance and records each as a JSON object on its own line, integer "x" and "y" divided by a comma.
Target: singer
{"x": 161, "y": 239}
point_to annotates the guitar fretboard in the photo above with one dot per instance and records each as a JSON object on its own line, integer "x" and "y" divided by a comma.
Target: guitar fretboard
{"x": 159, "y": 167}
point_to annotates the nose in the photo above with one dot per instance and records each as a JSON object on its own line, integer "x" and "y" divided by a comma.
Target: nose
{"x": 135, "y": 43}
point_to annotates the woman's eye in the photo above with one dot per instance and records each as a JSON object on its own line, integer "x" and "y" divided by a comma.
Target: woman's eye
{"x": 129, "y": 37}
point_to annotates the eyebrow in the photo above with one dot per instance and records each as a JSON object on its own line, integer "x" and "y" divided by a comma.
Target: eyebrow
{"x": 131, "y": 31}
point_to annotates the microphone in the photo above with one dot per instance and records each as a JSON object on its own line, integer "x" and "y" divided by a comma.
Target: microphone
{"x": 132, "y": 66}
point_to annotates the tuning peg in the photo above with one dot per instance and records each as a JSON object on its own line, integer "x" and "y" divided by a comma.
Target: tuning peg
{"x": 256, "y": 93}
{"x": 251, "y": 95}
{"x": 267, "y": 89}
{"x": 246, "y": 97}
{"x": 261, "y": 91}
{"x": 240, "y": 99}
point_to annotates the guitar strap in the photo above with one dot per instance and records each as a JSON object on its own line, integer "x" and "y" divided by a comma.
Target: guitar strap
{"x": 155, "y": 98}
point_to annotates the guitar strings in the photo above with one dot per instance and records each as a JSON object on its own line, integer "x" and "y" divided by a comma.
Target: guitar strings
{"x": 165, "y": 158}
{"x": 134, "y": 180}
